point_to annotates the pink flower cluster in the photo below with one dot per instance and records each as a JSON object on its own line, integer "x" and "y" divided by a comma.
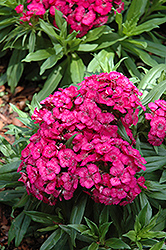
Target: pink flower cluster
{"x": 80, "y": 15}
{"x": 32, "y": 13}
{"x": 157, "y": 117}
{"x": 77, "y": 143}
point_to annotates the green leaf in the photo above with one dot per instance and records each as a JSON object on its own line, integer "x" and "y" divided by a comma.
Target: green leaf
{"x": 10, "y": 167}
{"x": 122, "y": 132}
{"x": 93, "y": 227}
{"x": 50, "y": 31}
{"x": 118, "y": 64}
{"x": 26, "y": 121}
{"x": 6, "y": 148}
{"x": 85, "y": 238}
{"x": 32, "y": 41}
{"x": 4, "y": 32}
{"x": 103, "y": 229}
{"x": 5, "y": 11}
{"x": 15, "y": 68}
{"x": 135, "y": 11}
{"x": 104, "y": 215}
{"x": 116, "y": 243}
{"x": 144, "y": 201}
{"x": 153, "y": 234}
{"x": 155, "y": 93}
{"x": 147, "y": 26}
{"x": 59, "y": 18}
{"x": 145, "y": 57}
{"x": 43, "y": 218}
{"x": 99, "y": 60}
{"x": 78, "y": 227}
{"x": 156, "y": 48}
{"x": 148, "y": 242}
{"x": 7, "y": 22}
{"x": 18, "y": 111}
{"x": 50, "y": 62}
{"x": 108, "y": 40}
{"x": 69, "y": 141}
{"x": 51, "y": 83}
{"x": 51, "y": 240}
{"x": 94, "y": 33}
{"x": 77, "y": 68}
{"x": 150, "y": 78}
{"x": 139, "y": 245}
{"x": 160, "y": 222}
{"x": 136, "y": 6}
{"x": 18, "y": 228}
{"x": 118, "y": 19}
{"x": 163, "y": 177}
{"x": 138, "y": 42}
{"x": 3, "y": 79}
{"x": 130, "y": 65}
{"x": 39, "y": 55}
{"x": 150, "y": 225}
{"x": 87, "y": 47}
{"x": 144, "y": 216}
{"x": 158, "y": 191}
{"x": 9, "y": 195}
{"x": 154, "y": 160}
{"x": 9, "y": 184}
{"x": 34, "y": 103}
{"x": 47, "y": 229}
{"x": 22, "y": 202}
{"x": 158, "y": 245}
{"x": 137, "y": 225}
{"x": 93, "y": 246}
{"x": 61, "y": 243}
{"x": 131, "y": 235}
{"x": 77, "y": 214}
{"x": 63, "y": 32}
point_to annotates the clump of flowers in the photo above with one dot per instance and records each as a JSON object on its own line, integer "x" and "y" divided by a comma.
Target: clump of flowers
{"x": 80, "y": 15}
{"x": 157, "y": 118}
{"x": 77, "y": 143}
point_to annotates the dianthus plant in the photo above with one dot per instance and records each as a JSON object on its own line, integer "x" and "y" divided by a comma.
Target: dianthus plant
{"x": 157, "y": 118}
{"x": 80, "y": 15}
{"x": 78, "y": 145}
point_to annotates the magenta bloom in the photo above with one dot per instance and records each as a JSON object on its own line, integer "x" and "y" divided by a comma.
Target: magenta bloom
{"x": 78, "y": 145}
{"x": 19, "y": 8}
{"x": 80, "y": 15}
{"x": 89, "y": 176}
{"x": 37, "y": 8}
{"x": 157, "y": 118}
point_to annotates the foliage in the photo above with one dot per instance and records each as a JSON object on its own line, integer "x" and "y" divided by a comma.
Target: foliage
{"x": 48, "y": 50}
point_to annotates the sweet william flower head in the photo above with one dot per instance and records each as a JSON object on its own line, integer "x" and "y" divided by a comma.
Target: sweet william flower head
{"x": 80, "y": 15}
{"x": 157, "y": 122}
{"x": 78, "y": 145}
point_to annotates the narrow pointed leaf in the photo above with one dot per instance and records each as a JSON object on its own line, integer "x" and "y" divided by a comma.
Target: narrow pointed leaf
{"x": 93, "y": 246}
{"x": 116, "y": 243}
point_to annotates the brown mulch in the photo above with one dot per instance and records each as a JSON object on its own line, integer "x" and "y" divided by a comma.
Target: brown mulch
{"x": 20, "y": 98}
